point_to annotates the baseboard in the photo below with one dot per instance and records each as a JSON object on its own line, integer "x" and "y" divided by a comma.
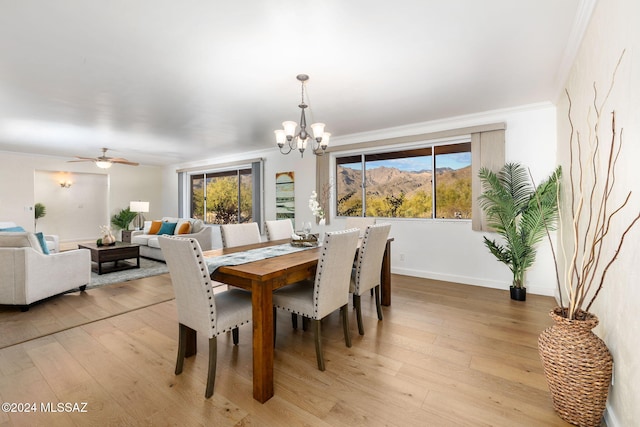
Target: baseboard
{"x": 610, "y": 418}
{"x": 466, "y": 280}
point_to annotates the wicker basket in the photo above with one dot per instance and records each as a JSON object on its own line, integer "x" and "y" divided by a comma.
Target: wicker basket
{"x": 578, "y": 368}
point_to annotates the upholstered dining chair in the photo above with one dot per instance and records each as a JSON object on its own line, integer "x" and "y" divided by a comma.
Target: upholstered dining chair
{"x": 330, "y": 290}
{"x": 359, "y": 222}
{"x": 279, "y": 229}
{"x": 240, "y": 234}
{"x": 366, "y": 275}
{"x": 199, "y": 310}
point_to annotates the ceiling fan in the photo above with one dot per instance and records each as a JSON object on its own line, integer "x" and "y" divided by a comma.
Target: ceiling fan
{"x": 104, "y": 161}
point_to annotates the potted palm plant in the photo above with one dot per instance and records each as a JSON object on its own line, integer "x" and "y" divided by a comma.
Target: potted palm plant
{"x": 123, "y": 218}
{"x": 521, "y": 214}
{"x": 39, "y": 211}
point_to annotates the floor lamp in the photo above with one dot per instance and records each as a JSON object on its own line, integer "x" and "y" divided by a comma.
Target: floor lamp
{"x": 139, "y": 208}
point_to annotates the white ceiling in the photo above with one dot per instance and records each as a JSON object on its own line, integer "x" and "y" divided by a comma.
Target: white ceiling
{"x": 166, "y": 81}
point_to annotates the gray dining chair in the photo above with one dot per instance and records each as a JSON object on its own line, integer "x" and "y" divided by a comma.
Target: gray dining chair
{"x": 366, "y": 274}
{"x": 329, "y": 290}
{"x": 359, "y": 222}
{"x": 240, "y": 234}
{"x": 199, "y": 310}
{"x": 279, "y": 229}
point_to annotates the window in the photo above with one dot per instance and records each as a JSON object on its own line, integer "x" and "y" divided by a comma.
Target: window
{"x": 402, "y": 183}
{"x": 222, "y": 197}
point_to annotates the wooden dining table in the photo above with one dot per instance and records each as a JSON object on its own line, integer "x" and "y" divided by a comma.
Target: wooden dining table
{"x": 262, "y": 278}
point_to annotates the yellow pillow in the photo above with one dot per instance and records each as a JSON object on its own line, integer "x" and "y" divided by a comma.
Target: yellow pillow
{"x": 185, "y": 228}
{"x": 155, "y": 227}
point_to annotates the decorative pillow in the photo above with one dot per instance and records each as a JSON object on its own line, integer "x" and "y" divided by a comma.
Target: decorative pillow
{"x": 185, "y": 228}
{"x": 155, "y": 227}
{"x": 16, "y": 229}
{"x": 43, "y": 243}
{"x": 167, "y": 228}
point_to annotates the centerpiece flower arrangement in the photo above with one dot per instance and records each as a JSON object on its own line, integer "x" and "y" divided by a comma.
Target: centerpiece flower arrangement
{"x": 316, "y": 208}
{"x": 108, "y": 239}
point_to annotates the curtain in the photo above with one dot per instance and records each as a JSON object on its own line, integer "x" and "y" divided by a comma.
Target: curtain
{"x": 487, "y": 150}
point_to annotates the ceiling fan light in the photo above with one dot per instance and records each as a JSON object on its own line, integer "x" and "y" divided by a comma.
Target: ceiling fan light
{"x": 103, "y": 164}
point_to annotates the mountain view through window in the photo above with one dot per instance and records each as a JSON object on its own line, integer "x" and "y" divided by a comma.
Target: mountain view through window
{"x": 402, "y": 184}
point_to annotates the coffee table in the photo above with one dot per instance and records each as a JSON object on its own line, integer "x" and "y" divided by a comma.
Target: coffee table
{"x": 117, "y": 254}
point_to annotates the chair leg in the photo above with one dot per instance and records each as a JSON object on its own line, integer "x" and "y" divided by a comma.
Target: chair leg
{"x": 378, "y": 306}
{"x": 315, "y": 323}
{"x": 357, "y": 306}
{"x": 294, "y": 320}
{"x": 345, "y": 324}
{"x": 187, "y": 345}
{"x": 236, "y": 335}
{"x": 213, "y": 358}
{"x": 305, "y": 323}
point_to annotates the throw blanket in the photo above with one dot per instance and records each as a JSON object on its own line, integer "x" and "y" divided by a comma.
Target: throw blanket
{"x": 251, "y": 255}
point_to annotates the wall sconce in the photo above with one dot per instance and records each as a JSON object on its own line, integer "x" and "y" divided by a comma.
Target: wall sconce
{"x": 65, "y": 184}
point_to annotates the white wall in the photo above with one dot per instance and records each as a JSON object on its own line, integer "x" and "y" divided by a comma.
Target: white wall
{"x": 126, "y": 183}
{"x": 76, "y": 211}
{"x": 440, "y": 249}
{"x": 612, "y": 29}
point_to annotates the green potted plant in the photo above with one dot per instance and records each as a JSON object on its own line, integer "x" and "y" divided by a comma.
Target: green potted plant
{"x": 521, "y": 214}
{"x": 39, "y": 210}
{"x": 123, "y": 218}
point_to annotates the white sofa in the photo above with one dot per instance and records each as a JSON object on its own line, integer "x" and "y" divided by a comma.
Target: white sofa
{"x": 28, "y": 275}
{"x": 150, "y": 247}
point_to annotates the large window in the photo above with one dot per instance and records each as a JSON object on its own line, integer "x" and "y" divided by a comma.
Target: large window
{"x": 222, "y": 197}
{"x": 403, "y": 183}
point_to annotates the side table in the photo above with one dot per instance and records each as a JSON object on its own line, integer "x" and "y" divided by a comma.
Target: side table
{"x": 126, "y": 236}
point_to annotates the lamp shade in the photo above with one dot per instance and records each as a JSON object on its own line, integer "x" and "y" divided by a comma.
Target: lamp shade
{"x": 318, "y": 130}
{"x": 289, "y": 128}
{"x": 139, "y": 206}
{"x": 281, "y": 137}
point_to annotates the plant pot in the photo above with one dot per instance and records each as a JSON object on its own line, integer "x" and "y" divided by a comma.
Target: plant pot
{"x": 518, "y": 294}
{"x": 578, "y": 368}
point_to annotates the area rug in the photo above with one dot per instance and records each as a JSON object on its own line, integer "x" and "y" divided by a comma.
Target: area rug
{"x": 147, "y": 268}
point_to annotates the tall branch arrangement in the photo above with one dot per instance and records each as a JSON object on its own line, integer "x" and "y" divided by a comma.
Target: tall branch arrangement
{"x": 592, "y": 213}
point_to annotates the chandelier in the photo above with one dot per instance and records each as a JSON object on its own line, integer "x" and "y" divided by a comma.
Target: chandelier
{"x": 288, "y": 139}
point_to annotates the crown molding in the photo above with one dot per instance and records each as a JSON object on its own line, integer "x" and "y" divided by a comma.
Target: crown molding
{"x": 578, "y": 29}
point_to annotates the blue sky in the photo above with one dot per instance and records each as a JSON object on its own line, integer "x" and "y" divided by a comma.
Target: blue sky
{"x": 453, "y": 161}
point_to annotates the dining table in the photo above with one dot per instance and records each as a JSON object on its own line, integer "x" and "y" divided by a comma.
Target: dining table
{"x": 264, "y": 276}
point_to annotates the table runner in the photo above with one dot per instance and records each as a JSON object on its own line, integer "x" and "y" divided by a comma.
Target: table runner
{"x": 251, "y": 255}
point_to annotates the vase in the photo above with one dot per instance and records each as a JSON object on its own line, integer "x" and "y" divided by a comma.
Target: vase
{"x": 108, "y": 239}
{"x": 321, "y": 225}
{"x": 578, "y": 367}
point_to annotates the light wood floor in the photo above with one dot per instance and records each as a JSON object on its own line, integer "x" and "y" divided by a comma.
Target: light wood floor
{"x": 445, "y": 355}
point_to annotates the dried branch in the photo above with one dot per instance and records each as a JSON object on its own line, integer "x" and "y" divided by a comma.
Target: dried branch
{"x": 592, "y": 219}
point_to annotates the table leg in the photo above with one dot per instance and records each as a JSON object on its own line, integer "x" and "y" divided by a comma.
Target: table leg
{"x": 385, "y": 276}
{"x": 261, "y": 295}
